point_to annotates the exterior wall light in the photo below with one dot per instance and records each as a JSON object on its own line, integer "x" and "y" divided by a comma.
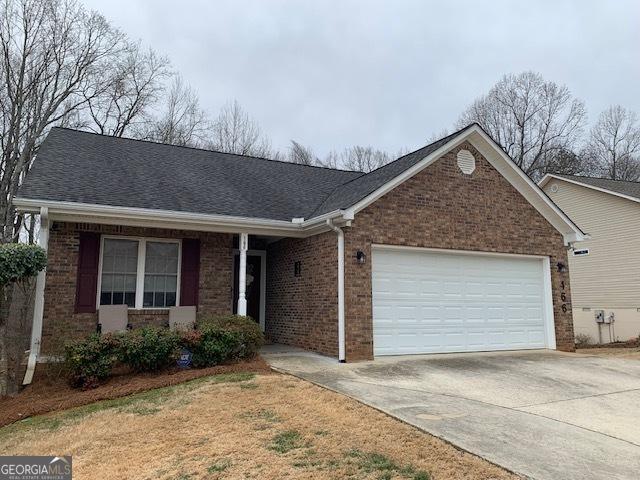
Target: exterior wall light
{"x": 561, "y": 267}
{"x": 361, "y": 257}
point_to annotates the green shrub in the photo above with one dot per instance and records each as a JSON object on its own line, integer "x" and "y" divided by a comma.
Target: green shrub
{"x": 91, "y": 360}
{"x": 149, "y": 348}
{"x": 249, "y": 330}
{"x": 221, "y": 339}
{"x": 19, "y": 260}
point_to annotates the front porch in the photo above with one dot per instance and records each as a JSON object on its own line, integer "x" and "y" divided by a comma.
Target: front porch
{"x": 284, "y": 284}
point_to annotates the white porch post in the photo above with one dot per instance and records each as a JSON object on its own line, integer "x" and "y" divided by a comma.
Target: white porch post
{"x": 242, "y": 274}
{"x": 38, "y": 309}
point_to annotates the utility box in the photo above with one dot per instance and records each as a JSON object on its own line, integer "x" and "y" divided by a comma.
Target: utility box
{"x": 599, "y": 315}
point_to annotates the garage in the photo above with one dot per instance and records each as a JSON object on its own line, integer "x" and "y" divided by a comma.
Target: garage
{"x": 437, "y": 301}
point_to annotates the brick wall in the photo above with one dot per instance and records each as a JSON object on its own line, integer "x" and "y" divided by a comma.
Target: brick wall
{"x": 60, "y": 321}
{"x": 303, "y": 310}
{"x": 442, "y": 208}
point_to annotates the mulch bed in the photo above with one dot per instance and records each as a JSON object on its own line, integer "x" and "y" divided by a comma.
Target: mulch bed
{"x": 50, "y": 393}
{"x": 633, "y": 343}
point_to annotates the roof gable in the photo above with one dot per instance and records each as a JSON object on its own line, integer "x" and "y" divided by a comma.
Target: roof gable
{"x": 620, "y": 188}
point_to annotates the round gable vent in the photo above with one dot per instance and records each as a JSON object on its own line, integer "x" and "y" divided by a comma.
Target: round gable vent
{"x": 466, "y": 162}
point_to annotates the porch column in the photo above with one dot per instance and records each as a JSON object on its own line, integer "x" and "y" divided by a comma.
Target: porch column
{"x": 242, "y": 274}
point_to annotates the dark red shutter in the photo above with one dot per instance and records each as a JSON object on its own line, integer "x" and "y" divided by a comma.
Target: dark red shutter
{"x": 87, "y": 278}
{"x": 190, "y": 272}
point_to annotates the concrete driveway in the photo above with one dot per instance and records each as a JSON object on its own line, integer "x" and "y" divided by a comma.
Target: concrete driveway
{"x": 542, "y": 414}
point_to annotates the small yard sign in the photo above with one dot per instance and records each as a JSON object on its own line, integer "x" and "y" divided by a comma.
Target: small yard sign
{"x": 184, "y": 360}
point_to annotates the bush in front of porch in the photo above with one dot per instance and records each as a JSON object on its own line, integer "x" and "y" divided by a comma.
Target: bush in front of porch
{"x": 214, "y": 341}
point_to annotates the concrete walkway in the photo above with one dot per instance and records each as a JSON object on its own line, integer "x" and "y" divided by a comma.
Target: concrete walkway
{"x": 542, "y": 414}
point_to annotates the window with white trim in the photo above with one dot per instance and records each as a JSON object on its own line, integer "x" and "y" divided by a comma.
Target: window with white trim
{"x": 138, "y": 272}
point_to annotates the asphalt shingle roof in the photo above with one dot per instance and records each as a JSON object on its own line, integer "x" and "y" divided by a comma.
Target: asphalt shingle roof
{"x": 623, "y": 187}
{"x": 83, "y": 167}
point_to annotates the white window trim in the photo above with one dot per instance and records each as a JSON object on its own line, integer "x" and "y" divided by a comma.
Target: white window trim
{"x": 142, "y": 248}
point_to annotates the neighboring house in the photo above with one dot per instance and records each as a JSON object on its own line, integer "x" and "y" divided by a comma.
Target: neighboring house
{"x": 450, "y": 248}
{"x": 605, "y": 270}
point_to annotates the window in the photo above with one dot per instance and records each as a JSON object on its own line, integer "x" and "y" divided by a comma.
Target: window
{"x": 140, "y": 273}
{"x": 160, "y": 274}
{"x": 581, "y": 252}
{"x": 119, "y": 272}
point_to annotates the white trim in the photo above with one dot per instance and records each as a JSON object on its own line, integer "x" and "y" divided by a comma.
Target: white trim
{"x": 140, "y": 273}
{"x": 453, "y": 251}
{"x": 549, "y": 176}
{"x": 243, "y": 243}
{"x": 38, "y": 308}
{"x": 341, "y": 309}
{"x": 263, "y": 281}
{"x": 145, "y": 217}
{"x": 549, "y": 318}
{"x": 476, "y": 136}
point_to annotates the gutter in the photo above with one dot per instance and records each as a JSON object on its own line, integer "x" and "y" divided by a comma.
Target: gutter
{"x": 341, "y": 335}
{"x": 38, "y": 309}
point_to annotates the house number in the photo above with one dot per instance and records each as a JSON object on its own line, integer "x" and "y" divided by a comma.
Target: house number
{"x": 563, "y": 297}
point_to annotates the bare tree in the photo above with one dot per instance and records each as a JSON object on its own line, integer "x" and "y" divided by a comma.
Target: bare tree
{"x": 235, "y": 132}
{"x": 52, "y": 58}
{"x": 364, "y": 159}
{"x": 614, "y": 144}
{"x": 132, "y": 87}
{"x": 530, "y": 118}
{"x": 181, "y": 120}
{"x": 302, "y": 155}
{"x": 567, "y": 162}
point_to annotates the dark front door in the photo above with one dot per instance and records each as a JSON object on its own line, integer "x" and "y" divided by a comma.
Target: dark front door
{"x": 254, "y": 263}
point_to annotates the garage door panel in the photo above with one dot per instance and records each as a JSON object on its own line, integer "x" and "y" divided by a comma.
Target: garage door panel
{"x": 427, "y": 302}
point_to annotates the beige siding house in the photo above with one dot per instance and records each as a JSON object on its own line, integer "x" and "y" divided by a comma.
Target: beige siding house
{"x": 605, "y": 269}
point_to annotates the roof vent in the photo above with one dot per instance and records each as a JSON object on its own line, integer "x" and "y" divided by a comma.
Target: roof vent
{"x": 466, "y": 162}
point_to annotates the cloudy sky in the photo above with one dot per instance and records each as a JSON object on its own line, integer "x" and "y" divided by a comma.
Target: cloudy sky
{"x": 390, "y": 74}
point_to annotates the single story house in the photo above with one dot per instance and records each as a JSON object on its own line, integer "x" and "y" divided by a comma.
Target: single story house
{"x": 451, "y": 248}
{"x": 605, "y": 272}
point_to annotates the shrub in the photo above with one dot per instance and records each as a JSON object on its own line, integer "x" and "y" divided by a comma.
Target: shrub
{"x": 89, "y": 361}
{"x": 19, "y": 261}
{"x": 221, "y": 339}
{"x": 249, "y": 330}
{"x": 583, "y": 340}
{"x": 148, "y": 348}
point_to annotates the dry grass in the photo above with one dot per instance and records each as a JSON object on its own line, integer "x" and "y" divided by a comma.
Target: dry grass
{"x": 241, "y": 426}
{"x": 619, "y": 352}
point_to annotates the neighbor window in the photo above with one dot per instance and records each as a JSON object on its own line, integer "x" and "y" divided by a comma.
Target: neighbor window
{"x": 139, "y": 273}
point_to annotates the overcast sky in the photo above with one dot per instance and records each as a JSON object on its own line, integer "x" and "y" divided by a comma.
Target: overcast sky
{"x": 390, "y": 74}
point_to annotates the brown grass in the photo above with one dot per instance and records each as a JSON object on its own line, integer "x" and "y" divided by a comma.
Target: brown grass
{"x": 50, "y": 392}
{"x": 619, "y": 352}
{"x": 266, "y": 427}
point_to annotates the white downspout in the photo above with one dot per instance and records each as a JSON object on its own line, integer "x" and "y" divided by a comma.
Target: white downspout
{"x": 38, "y": 308}
{"x": 341, "y": 339}
{"x": 242, "y": 274}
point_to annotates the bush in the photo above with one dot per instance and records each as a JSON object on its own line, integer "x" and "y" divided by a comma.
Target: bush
{"x": 222, "y": 339}
{"x": 583, "y": 340}
{"x": 148, "y": 348}
{"x": 19, "y": 261}
{"x": 252, "y": 337}
{"x": 89, "y": 361}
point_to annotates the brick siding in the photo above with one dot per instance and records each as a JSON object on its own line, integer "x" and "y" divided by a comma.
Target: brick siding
{"x": 303, "y": 310}
{"x": 441, "y": 207}
{"x": 61, "y": 323}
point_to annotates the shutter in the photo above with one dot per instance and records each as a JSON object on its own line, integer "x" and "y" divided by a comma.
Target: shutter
{"x": 190, "y": 272}
{"x": 87, "y": 278}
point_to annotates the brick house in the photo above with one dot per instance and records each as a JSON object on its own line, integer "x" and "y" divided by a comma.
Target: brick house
{"x": 450, "y": 248}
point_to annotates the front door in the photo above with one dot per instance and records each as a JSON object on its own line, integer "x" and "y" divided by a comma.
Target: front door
{"x": 254, "y": 274}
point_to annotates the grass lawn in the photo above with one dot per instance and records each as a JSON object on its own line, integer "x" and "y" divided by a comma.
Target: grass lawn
{"x": 240, "y": 425}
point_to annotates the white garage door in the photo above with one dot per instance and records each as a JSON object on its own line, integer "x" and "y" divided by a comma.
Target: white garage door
{"x": 429, "y": 301}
